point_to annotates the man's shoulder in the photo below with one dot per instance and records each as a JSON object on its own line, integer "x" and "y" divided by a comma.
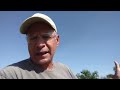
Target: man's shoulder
{"x": 61, "y": 65}
{"x": 21, "y": 63}
{"x": 65, "y": 70}
{"x": 11, "y": 70}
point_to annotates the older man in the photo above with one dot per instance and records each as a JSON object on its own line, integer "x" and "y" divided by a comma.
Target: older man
{"x": 42, "y": 41}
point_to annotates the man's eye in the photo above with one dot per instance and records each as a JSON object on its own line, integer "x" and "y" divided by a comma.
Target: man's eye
{"x": 46, "y": 37}
{"x": 33, "y": 38}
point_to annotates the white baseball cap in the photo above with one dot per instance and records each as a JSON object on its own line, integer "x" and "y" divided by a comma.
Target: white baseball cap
{"x": 38, "y": 17}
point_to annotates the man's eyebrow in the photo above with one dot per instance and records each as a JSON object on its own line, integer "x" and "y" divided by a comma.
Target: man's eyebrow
{"x": 48, "y": 33}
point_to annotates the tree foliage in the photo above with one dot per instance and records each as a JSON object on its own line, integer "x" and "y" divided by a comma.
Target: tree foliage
{"x": 86, "y": 74}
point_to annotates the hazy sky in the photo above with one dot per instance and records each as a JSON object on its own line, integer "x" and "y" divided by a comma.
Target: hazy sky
{"x": 88, "y": 39}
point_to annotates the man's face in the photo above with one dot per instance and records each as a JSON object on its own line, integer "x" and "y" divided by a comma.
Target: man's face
{"x": 42, "y": 43}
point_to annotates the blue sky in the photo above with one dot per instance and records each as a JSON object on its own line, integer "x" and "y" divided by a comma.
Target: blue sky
{"x": 88, "y": 39}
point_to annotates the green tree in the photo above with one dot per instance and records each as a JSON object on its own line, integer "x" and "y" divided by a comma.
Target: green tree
{"x": 109, "y": 76}
{"x": 86, "y": 74}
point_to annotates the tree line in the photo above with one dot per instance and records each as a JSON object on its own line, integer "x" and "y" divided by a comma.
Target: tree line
{"x": 86, "y": 74}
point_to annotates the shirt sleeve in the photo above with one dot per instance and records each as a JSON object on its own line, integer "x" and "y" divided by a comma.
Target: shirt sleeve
{"x": 71, "y": 73}
{"x": 2, "y": 75}
{"x": 7, "y": 73}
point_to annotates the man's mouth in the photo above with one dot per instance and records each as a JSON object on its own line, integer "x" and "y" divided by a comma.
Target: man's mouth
{"x": 41, "y": 53}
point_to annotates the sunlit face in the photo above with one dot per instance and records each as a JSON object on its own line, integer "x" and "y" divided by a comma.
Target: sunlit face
{"x": 42, "y": 43}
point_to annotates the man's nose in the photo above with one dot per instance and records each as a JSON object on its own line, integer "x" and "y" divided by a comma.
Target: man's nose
{"x": 40, "y": 43}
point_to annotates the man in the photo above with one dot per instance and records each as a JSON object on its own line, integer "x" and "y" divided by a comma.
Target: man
{"x": 42, "y": 38}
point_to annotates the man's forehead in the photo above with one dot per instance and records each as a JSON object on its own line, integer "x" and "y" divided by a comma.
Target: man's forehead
{"x": 41, "y": 33}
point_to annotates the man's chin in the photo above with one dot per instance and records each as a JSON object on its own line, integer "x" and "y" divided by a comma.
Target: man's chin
{"x": 42, "y": 61}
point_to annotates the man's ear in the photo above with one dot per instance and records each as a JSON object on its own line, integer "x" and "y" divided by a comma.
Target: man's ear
{"x": 58, "y": 40}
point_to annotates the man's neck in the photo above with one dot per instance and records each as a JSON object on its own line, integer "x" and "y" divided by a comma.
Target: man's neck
{"x": 47, "y": 66}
